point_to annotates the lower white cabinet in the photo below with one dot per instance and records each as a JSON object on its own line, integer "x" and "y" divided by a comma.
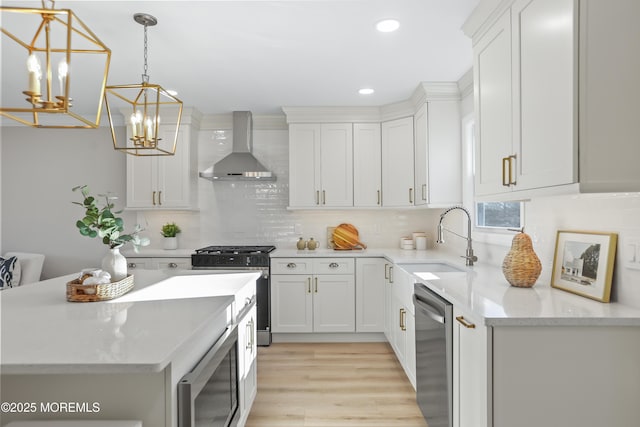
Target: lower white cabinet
{"x": 182, "y": 263}
{"x": 247, "y": 363}
{"x": 306, "y": 295}
{"x": 470, "y": 371}
{"x": 370, "y": 294}
{"x": 400, "y": 318}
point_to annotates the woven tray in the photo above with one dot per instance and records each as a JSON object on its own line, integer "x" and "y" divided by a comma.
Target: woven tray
{"x": 77, "y": 292}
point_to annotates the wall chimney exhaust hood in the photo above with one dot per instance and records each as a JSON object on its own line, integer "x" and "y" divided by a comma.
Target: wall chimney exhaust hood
{"x": 240, "y": 165}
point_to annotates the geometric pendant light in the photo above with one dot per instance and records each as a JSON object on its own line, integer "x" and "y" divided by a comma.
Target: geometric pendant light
{"x": 62, "y": 65}
{"x": 152, "y": 114}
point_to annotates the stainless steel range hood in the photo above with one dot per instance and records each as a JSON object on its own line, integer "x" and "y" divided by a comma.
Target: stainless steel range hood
{"x": 240, "y": 165}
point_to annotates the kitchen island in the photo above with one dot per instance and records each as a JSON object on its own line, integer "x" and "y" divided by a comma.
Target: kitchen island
{"x": 118, "y": 359}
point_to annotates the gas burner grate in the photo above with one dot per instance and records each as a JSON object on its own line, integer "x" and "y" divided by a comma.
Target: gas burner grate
{"x": 235, "y": 249}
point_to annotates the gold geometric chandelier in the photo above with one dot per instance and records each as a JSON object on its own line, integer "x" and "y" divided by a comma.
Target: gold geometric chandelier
{"x": 59, "y": 49}
{"x": 143, "y": 105}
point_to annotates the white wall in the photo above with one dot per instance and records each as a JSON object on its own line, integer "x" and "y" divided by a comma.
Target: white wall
{"x": 39, "y": 169}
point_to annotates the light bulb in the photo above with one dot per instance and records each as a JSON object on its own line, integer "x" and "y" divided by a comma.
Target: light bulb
{"x": 35, "y": 73}
{"x": 63, "y": 71}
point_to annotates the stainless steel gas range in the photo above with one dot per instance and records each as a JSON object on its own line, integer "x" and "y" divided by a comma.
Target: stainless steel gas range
{"x": 243, "y": 258}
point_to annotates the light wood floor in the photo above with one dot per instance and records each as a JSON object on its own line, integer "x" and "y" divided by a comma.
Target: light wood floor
{"x": 327, "y": 384}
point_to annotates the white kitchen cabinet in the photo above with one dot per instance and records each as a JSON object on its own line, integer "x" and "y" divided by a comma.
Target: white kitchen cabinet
{"x": 322, "y": 299}
{"x": 555, "y": 98}
{"x": 388, "y": 302}
{"x": 438, "y": 165}
{"x": 247, "y": 364}
{"x": 320, "y": 165}
{"x": 398, "y": 163}
{"x": 370, "y": 294}
{"x": 400, "y": 313}
{"x": 367, "y": 165}
{"x": 156, "y": 263}
{"x": 492, "y": 80}
{"x": 164, "y": 182}
{"x": 470, "y": 371}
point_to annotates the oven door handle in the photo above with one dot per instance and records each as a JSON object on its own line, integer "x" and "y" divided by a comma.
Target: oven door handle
{"x": 426, "y": 309}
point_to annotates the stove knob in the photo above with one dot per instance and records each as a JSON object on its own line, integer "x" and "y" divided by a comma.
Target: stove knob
{"x": 248, "y": 260}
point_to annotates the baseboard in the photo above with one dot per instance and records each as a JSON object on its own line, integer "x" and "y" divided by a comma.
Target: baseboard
{"x": 328, "y": 337}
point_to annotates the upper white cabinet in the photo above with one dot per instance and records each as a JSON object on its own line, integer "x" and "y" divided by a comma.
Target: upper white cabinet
{"x": 321, "y": 165}
{"x": 555, "y": 97}
{"x": 383, "y": 162}
{"x": 438, "y": 159}
{"x": 164, "y": 182}
{"x": 609, "y": 67}
{"x": 367, "y": 165}
{"x": 492, "y": 85}
{"x": 397, "y": 163}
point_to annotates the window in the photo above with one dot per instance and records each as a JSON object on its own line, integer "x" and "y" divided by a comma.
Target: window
{"x": 499, "y": 214}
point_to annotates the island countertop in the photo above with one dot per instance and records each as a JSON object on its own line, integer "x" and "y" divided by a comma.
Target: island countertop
{"x": 41, "y": 332}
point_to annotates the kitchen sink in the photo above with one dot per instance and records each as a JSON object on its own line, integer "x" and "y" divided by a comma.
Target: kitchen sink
{"x": 431, "y": 267}
{"x": 433, "y": 270}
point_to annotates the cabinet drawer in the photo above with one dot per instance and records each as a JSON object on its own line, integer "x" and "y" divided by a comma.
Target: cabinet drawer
{"x": 333, "y": 266}
{"x": 291, "y": 265}
{"x": 140, "y": 263}
{"x": 172, "y": 263}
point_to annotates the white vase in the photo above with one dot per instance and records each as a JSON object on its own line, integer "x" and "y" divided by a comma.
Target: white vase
{"x": 115, "y": 264}
{"x": 170, "y": 243}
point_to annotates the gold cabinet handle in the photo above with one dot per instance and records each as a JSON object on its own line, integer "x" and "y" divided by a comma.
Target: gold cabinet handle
{"x": 403, "y": 326}
{"x": 386, "y": 271}
{"x": 424, "y": 192}
{"x": 160, "y": 198}
{"x": 154, "y": 198}
{"x": 291, "y": 265}
{"x": 131, "y": 265}
{"x": 308, "y": 285}
{"x": 512, "y": 180}
{"x": 411, "y": 195}
{"x": 505, "y": 161}
{"x": 465, "y": 323}
{"x": 378, "y": 196}
{"x": 324, "y": 197}
{"x": 317, "y": 197}
{"x": 173, "y": 265}
{"x": 316, "y": 284}
{"x": 391, "y": 274}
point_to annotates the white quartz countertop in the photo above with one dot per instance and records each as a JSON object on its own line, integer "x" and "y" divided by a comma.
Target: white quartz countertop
{"x": 484, "y": 291}
{"x": 41, "y": 332}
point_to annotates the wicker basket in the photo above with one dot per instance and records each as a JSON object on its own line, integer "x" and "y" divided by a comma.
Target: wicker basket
{"x": 77, "y": 292}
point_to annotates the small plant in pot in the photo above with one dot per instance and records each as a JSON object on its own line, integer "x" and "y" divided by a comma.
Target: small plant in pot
{"x": 170, "y": 232}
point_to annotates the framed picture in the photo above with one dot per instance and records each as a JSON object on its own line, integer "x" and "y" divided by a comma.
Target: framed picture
{"x": 583, "y": 263}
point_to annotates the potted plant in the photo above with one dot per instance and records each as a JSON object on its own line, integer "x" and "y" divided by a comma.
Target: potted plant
{"x": 170, "y": 232}
{"x": 101, "y": 221}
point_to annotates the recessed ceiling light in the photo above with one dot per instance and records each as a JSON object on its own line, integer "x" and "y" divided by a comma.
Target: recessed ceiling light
{"x": 387, "y": 25}
{"x": 366, "y": 91}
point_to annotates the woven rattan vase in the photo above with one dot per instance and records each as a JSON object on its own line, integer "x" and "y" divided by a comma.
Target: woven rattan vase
{"x": 521, "y": 266}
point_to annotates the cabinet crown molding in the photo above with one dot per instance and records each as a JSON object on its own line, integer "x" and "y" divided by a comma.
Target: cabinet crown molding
{"x": 424, "y": 92}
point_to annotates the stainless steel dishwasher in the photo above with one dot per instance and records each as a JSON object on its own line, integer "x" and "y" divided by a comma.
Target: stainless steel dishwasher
{"x": 434, "y": 356}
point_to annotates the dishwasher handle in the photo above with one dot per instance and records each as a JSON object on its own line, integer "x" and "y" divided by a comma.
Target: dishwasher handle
{"x": 426, "y": 309}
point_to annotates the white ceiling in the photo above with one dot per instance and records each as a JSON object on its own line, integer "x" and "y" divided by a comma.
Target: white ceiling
{"x": 261, "y": 55}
